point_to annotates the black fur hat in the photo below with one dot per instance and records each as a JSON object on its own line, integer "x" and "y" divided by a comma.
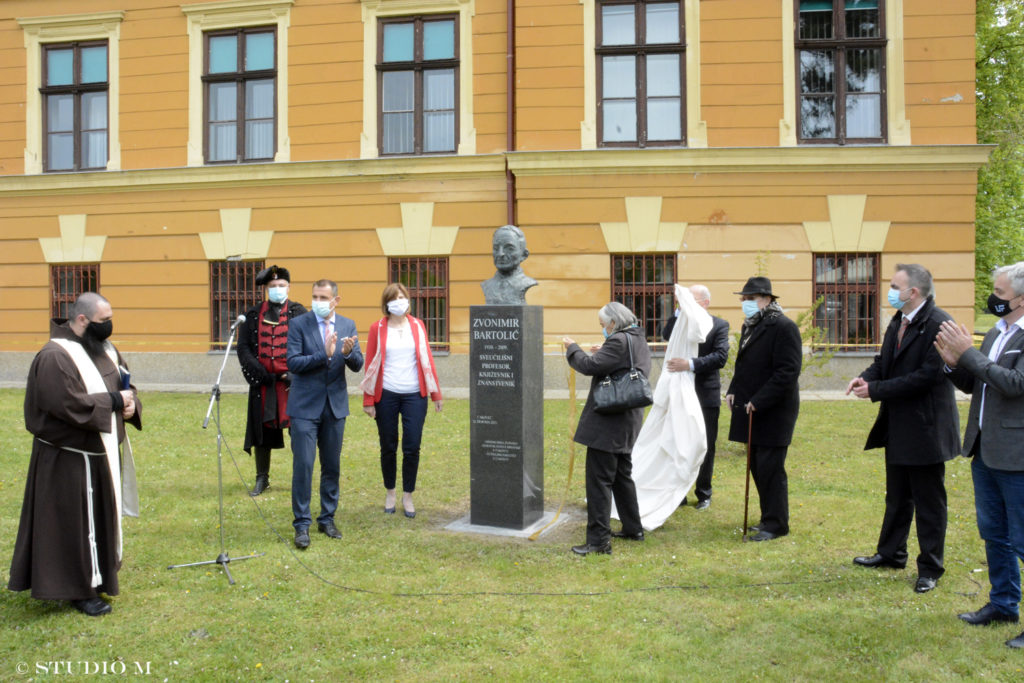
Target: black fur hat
{"x": 272, "y": 273}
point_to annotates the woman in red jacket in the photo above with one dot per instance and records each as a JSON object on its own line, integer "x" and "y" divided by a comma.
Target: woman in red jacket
{"x": 400, "y": 376}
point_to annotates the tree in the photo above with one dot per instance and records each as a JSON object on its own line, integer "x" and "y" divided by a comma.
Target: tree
{"x": 999, "y": 211}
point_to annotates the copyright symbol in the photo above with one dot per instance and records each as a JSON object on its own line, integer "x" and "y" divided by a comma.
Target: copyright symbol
{"x": 22, "y": 668}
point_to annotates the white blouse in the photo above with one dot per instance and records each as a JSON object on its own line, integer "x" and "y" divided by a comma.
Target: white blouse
{"x": 401, "y": 373}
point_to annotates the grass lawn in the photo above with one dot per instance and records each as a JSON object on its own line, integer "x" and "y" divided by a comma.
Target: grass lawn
{"x": 406, "y": 599}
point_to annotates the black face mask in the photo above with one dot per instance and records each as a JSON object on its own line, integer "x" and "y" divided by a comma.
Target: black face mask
{"x": 998, "y": 307}
{"x": 99, "y": 331}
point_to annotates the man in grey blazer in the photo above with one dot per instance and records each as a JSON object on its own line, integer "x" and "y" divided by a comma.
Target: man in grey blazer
{"x": 321, "y": 344}
{"x": 994, "y": 376}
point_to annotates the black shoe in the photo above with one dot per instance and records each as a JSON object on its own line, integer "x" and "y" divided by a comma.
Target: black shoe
{"x": 302, "y": 539}
{"x": 753, "y": 529}
{"x": 987, "y": 615}
{"x": 683, "y": 504}
{"x": 704, "y": 504}
{"x": 329, "y": 529}
{"x": 763, "y": 535}
{"x": 261, "y": 485}
{"x": 639, "y": 536}
{"x": 586, "y": 549}
{"x": 925, "y": 584}
{"x": 876, "y": 560}
{"x": 1017, "y": 642}
{"x": 94, "y": 607}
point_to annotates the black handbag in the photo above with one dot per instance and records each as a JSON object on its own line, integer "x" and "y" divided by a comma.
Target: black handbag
{"x": 623, "y": 390}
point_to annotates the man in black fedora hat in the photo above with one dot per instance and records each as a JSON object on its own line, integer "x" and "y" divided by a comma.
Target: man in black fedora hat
{"x": 262, "y": 352}
{"x": 765, "y": 384}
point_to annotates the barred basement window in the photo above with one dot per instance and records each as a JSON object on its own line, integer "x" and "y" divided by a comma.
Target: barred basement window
{"x": 644, "y": 284}
{"x": 67, "y": 282}
{"x": 233, "y": 291}
{"x": 849, "y": 314}
{"x": 426, "y": 277}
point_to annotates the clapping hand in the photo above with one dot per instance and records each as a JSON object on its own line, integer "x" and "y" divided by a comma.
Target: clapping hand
{"x": 347, "y": 344}
{"x": 951, "y": 342}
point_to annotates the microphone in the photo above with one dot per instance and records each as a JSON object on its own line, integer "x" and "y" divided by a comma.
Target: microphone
{"x": 238, "y": 321}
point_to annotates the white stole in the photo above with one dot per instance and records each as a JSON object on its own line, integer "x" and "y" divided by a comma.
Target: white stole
{"x": 94, "y": 384}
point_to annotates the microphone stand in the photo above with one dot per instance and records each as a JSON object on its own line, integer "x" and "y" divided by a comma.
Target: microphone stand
{"x": 222, "y": 559}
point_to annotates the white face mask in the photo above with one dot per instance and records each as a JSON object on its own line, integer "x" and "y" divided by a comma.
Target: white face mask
{"x": 322, "y": 308}
{"x": 398, "y": 306}
{"x": 277, "y": 294}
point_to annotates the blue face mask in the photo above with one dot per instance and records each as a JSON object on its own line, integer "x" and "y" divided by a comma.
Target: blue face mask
{"x": 750, "y": 308}
{"x": 322, "y": 308}
{"x": 604, "y": 332}
{"x": 277, "y": 295}
{"x": 894, "y": 298}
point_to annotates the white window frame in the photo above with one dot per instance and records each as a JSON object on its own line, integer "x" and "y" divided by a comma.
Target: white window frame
{"x": 212, "y": 16}
{"x": 898, "y": 127}
{"x": 696, "y": 128}
{"x": 372, "y": 10}
{"x": 68, "y": 28}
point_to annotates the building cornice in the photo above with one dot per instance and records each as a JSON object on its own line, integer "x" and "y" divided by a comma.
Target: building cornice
{"x": 751, "y": 160}
{"x": 562, "y": 163}
{"x": 291, "y": 173}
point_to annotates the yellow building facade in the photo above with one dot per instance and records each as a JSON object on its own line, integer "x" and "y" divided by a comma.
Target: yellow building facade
{"x": 376, "y": 131}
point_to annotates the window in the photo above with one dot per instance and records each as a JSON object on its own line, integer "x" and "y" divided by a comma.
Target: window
{"x": 233, "y": 291}
{"x": 67, "y": 282}
{"x": 74, "y": 92}
{"x": 427, "y": 281}
{"x": 848, "y": 316}
{"x": 417, "y": 74}
{"x": 644, "y": 284}
{"x": 840, "y": 48}
{"x": 239, "y": 80}
{"x": 640, "y": 73}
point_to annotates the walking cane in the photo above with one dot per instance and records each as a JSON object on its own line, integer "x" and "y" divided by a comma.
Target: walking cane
{"x": 746, "y": 494}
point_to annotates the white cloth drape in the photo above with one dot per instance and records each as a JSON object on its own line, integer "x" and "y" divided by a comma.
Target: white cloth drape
{"x": 671, "y": 445}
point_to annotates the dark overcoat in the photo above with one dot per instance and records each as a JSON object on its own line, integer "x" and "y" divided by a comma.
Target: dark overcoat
{"x": 612, "y": 433}
{"x": 256, "y": 434}
{"x": 918, "y": 422}
{"x": 767, "y": 374}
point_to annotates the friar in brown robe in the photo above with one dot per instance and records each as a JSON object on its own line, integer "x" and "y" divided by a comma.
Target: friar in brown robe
{"x": 62, "y": 551}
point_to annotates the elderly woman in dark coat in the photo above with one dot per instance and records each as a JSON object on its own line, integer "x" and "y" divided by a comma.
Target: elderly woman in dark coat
{"x": 609, "y": 438}
{"x": 765, "y": 384}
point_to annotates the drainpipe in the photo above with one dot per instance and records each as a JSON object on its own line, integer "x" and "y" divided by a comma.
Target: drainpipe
{"x": 510, "y": 110}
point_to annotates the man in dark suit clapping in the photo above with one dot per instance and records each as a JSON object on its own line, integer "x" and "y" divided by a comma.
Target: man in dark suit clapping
{"x": 321, "y": 344}
{"x": 712, "y": 354}
{"x": 917, "y": 424}
{"x": 994, "y": 376}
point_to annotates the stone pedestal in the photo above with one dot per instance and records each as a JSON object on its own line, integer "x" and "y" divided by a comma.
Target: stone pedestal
{"x": 506, "y": 412}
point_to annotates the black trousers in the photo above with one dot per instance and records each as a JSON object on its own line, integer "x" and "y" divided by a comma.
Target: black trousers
{"x": 707, "y": 468}
{"x": 911, "y": 489}
{"x": 412, "y": 410}
{"x": 608, "y": 475}
{"x": 768, "y": 467}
